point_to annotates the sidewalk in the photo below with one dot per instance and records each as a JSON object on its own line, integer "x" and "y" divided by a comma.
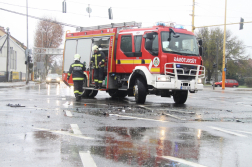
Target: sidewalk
{"x": 226, "y": 88}
{"x": 15, "y": 84}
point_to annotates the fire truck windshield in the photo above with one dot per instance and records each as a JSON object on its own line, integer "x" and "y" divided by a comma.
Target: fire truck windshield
{"x": 183, "y": 45}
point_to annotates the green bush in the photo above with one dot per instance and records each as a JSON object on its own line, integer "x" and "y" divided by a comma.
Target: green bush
{"x": 248, "y": 82}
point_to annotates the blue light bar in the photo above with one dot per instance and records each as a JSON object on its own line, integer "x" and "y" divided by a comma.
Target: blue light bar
{"x": 178, "y": 65}
{"x": 160, "y": 24}
{"x": 179, "y": 27}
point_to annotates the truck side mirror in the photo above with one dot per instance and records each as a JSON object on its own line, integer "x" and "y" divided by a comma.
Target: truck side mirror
{"x": 200, "y": 42}
{"x": 201, "y": 50}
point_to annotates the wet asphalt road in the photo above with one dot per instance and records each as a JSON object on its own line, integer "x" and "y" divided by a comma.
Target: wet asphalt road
{"x": 213, "y": 128}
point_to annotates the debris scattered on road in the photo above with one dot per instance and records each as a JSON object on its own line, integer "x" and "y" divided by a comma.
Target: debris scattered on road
{"x": 48, "y": 116}
{"x": 105, "y": 113}
{"x": 229, "y": 110}
{"x": 238, "y": 120}
{"x": 15, "y": 105}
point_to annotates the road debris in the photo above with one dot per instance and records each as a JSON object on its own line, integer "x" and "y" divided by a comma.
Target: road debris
{"x": 15, "y": 105}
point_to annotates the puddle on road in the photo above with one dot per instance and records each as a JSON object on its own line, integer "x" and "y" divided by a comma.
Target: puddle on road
{"x": 145, "y": 146}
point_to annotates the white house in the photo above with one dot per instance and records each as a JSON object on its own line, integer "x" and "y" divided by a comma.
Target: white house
{"x": 16, "y": 56}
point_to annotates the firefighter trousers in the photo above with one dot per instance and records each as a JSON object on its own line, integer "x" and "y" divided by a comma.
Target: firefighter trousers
{"x": 78, "y": 88}
{"x": 98, "y": 76}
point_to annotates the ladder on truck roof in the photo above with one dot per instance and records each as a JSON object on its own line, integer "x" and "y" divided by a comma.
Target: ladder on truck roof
{"x": 112, "y": 25}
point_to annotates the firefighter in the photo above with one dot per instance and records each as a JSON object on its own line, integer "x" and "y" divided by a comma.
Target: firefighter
{"x": 77, "y": 69}
{"x": 98, "y": 60}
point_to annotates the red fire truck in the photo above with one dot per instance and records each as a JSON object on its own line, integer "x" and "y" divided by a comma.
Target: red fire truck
{"x": 163, "y": 60}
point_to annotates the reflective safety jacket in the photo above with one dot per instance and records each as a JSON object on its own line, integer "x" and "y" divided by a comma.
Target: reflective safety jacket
{"x": 98, "y": 57}
{"x": 77, "y": 69}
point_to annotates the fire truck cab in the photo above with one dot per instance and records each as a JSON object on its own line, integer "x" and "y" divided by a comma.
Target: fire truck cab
{"x": 161, "y": 60}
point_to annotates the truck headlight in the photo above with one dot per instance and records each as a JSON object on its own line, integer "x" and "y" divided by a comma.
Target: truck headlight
{"x": 163, "y": 78}
{"x": 58, "y": 79}
{"x": 48, "y": 79}
{"x": 199, "y": 81}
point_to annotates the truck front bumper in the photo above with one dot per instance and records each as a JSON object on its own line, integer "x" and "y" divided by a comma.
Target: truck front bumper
{"x": 179, "y": 85}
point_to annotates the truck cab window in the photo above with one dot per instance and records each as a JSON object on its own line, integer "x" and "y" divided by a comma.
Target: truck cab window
{"x": 138, "y": 42}
{"x": 151, "y": 45}
{"x": 126, "y": 43}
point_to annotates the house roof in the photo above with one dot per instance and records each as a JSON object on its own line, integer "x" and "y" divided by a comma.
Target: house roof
{"x": 2, "y": 33}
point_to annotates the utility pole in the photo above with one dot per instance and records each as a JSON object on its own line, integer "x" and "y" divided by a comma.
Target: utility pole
{"x": 224, "y": 49}
{"x": 217, "y": 55}
{"x": 27, "y": 65}
{"x": 193, "y": 28}
{"x": 8, "y": 54}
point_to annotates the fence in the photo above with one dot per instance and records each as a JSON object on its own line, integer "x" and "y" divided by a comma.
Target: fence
{"x": 13, "y": 76}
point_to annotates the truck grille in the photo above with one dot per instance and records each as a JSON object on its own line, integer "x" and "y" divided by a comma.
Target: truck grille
{"x": 185, "y": 71}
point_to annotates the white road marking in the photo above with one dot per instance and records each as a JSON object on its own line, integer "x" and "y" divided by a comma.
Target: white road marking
{"x": 174, "y": 117}
{"x": 226, "y": 131}
{"x": 76, "y": 129}
{"x": 65, "y": 133}
{"x": 243, "y": 131}
{"x": 87, "y": 159}
{"x": 182, "y": 161}
{"x": 68, "y": 113}
{"x": 137, "y": 118}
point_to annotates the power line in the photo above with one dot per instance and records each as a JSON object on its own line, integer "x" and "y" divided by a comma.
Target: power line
{"x": 130, "y": 8}
{"x": 39, "y": 18}
{"x": 224, "y": 8}
{"x": 30, "y": 7}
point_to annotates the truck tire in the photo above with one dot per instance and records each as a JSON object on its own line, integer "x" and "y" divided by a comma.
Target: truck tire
{"x": 180, "y": 96}
{"x": 88, "y": 93}
{"x": 117, "y": 93}
{"x": 140, "y": 91}
{"x": 93, "y": 93}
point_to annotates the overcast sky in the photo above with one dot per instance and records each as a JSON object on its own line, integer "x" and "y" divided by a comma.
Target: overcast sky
{"x": 207, "y": 12}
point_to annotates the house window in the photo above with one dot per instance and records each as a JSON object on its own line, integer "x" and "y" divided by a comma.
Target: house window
{"x": 15, "y": 62}
{"x": 13, "y": 59}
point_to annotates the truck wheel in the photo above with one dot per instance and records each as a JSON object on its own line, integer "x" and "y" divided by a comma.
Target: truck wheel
{"x": 88, "y": 93}
{"x": 85, "y": 91}
{"x": 93, "y": 93}
{"x": 180, "y": 97}
{"x": 117, "y": 93}
{"x": 139, "y": 91}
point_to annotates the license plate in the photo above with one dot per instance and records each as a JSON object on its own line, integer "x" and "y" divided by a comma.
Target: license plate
{"x": 185, "y": 87}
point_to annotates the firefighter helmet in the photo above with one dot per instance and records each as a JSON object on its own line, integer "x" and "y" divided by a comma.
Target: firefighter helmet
{"x": 77, "y": 57}
{"x": 95, "y": 47}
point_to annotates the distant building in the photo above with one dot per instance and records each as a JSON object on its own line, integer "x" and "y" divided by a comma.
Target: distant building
{"x": 17, "y": 67}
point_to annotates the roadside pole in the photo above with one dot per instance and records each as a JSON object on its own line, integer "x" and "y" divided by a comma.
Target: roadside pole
{"x": 8, "y": 54}
{"x": 27, "y": 53}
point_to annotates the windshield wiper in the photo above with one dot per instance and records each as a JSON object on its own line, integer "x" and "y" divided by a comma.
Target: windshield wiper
{"x": 190, "y": 54}
{"x": 175, "y": 52}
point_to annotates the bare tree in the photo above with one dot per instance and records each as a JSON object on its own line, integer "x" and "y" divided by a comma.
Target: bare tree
{"x": 213, "y": 49}
{"x": 48, "y": 34}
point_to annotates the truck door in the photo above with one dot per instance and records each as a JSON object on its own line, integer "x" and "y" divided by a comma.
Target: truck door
{"x": 80, "y": 46}
{"x": 151, "y": 51}
{"x": 73, "y": 46}
{"x": 84, "y": 48}
{"x": 124, "y": 54}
